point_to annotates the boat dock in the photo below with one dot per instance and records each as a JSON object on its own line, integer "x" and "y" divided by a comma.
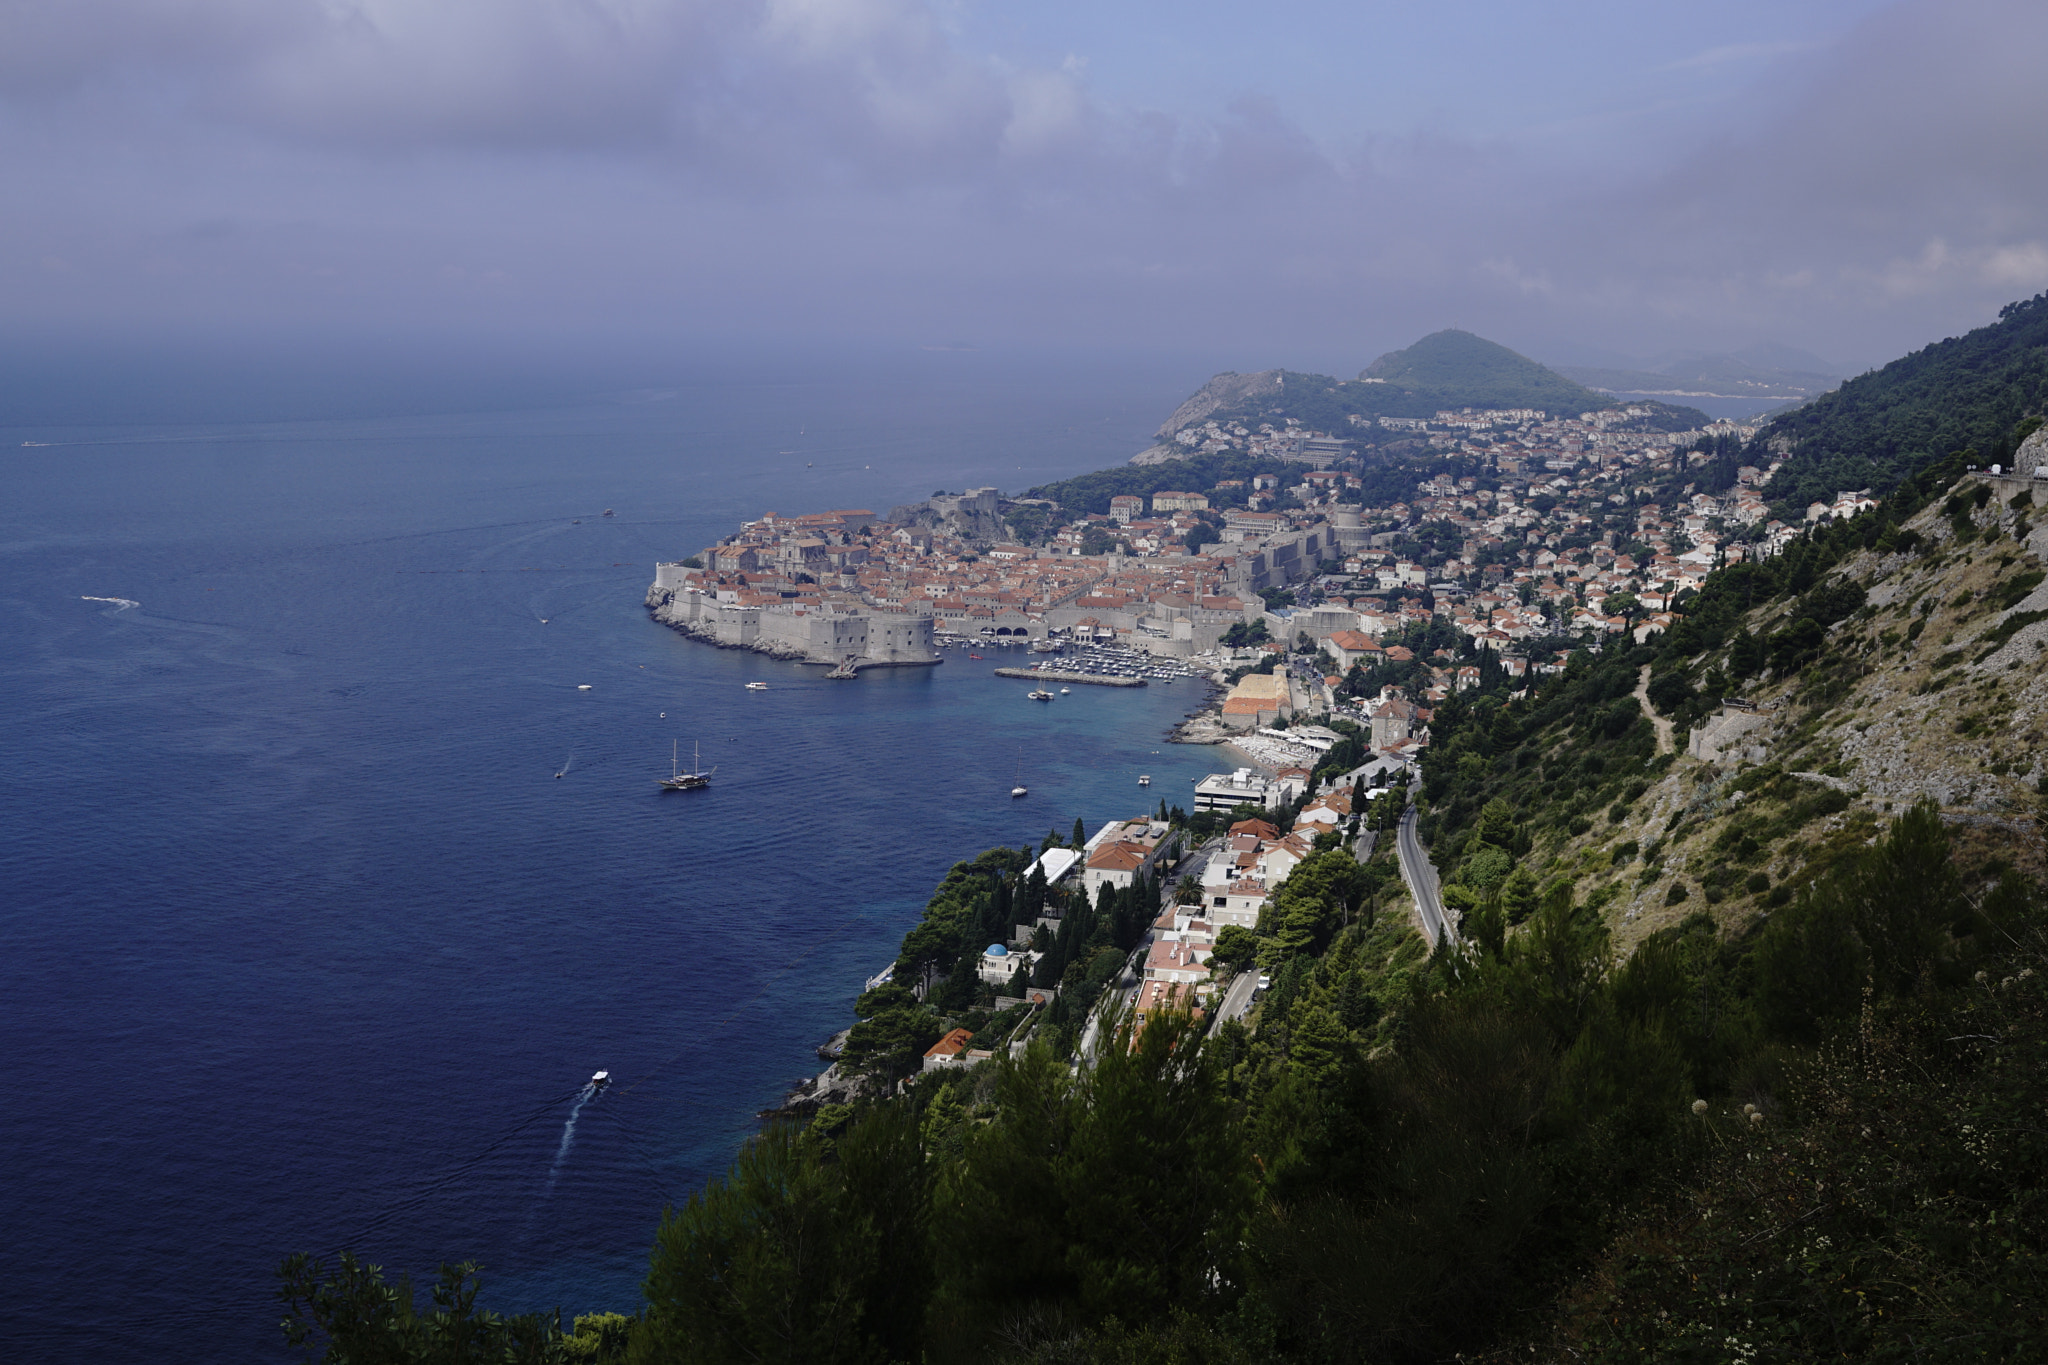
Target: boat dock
{"x": 1061, "y": 676}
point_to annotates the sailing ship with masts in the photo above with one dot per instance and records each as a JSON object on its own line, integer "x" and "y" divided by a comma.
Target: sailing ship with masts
{"x": 680, "y": 781}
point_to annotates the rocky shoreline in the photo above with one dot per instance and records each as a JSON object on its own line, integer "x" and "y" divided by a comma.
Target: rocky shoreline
{"x": 829, "y": 1086}
{"x": 1204, "y": 724}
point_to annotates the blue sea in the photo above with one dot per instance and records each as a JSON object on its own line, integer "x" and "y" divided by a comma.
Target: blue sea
{"x": 325, "y": 885}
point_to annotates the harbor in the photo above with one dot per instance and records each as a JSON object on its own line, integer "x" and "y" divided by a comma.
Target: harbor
{"x": 1060, "y": 675}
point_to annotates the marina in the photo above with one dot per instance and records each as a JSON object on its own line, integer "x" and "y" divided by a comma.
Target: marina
{"x": 1054, "y": 675}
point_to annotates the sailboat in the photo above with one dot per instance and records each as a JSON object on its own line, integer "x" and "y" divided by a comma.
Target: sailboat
{"x": 1020, "y": 789}
{"x": 679, "y": 781}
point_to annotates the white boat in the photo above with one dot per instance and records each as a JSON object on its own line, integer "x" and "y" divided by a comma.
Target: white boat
{"x": 757, "y": 687}
{"x": 1144, "y": 779}
{"x": 1020, "y": 790}
{"x": 1065, "y": 690}
{"x": 1039, "y": 694}
{"x": 582, "y": 687}
{"x": 603, "y": 1078}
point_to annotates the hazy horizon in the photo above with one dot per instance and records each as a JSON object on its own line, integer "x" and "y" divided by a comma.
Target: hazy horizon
{"x": 1307, "y": 186}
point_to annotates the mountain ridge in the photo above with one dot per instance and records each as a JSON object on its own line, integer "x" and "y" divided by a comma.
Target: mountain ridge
{"x": 1446, "y": 369}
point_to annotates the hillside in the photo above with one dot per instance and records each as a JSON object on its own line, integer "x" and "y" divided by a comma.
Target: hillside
{"x": 1457, "y": 369}
{"x": 1445, "y": 370}
{"x": 1740, "y": 1057}
{"x": 1966, "y": 393}
{"x": 1892, "y": 660}
{"x": 1845, "y": 872}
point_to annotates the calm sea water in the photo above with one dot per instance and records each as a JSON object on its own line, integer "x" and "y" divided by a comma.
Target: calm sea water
{"x": 325, "y": 888}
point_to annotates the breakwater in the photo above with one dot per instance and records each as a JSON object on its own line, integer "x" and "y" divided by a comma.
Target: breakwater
{"x": 1053, "y": 675}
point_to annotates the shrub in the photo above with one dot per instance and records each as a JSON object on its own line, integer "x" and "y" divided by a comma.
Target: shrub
{"x": 1676, "y": 894}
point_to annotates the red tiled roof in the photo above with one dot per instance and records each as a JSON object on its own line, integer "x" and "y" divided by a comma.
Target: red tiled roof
{"x": 951, "y": 1045}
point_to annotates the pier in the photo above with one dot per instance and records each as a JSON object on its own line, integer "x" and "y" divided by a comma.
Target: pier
{"x": 1060, "y": 676}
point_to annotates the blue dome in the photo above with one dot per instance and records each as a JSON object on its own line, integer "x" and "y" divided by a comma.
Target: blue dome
{"x": 996, "y": 950}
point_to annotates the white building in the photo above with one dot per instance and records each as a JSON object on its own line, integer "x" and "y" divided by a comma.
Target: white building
{"x": 1227, "y": 791}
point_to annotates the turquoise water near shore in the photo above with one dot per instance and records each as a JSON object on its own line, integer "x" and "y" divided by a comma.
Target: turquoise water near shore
{"x": 307, "y": 943}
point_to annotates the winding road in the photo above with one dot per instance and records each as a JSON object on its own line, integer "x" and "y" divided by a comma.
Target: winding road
{"x": 1421, "y": 878}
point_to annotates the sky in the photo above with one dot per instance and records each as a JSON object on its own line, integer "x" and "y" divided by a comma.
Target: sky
{"x": 1298, "y": 182}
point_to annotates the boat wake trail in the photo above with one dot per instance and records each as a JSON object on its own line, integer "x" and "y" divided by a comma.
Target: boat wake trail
{"x": 583, "y": 1097}
{"x": 420, "y": 1193}
{"x": 567, "y": 764}
{"x": 120, "y": 603}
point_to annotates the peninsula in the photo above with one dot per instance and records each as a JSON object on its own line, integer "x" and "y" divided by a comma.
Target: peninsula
{"x": 1350, "y": 562}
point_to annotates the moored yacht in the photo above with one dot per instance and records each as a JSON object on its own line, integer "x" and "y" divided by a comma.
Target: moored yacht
{"x": 680, "y": 781}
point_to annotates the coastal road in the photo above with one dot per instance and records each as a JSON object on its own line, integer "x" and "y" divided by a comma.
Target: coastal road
{"x": 1421, "y": 879}
{"x": 1116, "y": 995}
{"x": 1238, "y": 998}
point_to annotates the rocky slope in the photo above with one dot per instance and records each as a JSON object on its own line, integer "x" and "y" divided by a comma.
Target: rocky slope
{"x": 1934, "y": 689}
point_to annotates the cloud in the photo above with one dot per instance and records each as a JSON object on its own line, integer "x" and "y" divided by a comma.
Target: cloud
{"x": 851, "y": 164}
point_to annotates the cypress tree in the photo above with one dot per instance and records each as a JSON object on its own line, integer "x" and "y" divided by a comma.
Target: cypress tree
{"x": 1002, "y": 909}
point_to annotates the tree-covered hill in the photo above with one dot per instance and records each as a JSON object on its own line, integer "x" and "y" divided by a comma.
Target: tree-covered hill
{"x": 1445, "y": 370}
{"x": 1385, "y": 480}
{"x": 1966, "y": 393}
{"x": 1457, "y": 369}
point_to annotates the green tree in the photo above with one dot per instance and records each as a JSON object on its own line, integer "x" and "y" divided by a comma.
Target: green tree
{"x": 891, "y": 1037}
{"x": 1519, "y": 896}
{"x": 1157, "y": 1183}
{"x": 1317, "y": 1045}
{"x": 365, "y": 1321}
{"x": 1322, "y": 892}
{"x": 795, "y": 1258}
{"x": 1097, "y": 540}
{"x": 1236, "y": 947}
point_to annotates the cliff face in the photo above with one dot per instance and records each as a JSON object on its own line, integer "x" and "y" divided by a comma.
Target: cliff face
{"x": 2032, "y": 455}
{"x": 1225, "y": 390}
